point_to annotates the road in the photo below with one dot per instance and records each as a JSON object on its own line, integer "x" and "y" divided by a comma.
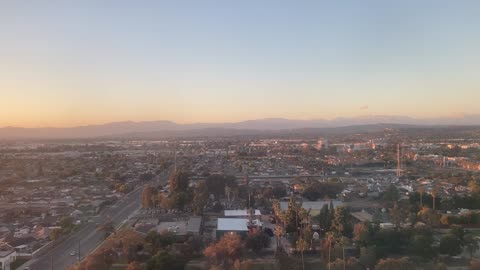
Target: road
{"x": 88, "y": 237}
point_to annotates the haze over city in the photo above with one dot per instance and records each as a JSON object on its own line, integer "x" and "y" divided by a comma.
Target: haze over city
{"x": 69, "y": 64}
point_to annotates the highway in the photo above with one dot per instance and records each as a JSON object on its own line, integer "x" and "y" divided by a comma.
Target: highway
{"x": 59, "y": 258}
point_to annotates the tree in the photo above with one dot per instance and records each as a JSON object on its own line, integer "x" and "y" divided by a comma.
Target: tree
{"x": 341, "y": 225}
{"x": 278, "y": 233}
{"x": 257, "y": 240}
{"x": 178, "y": 200}
{"x": 158, "y": 241}
{"x": 434, "y": 196}
{"x": 368, "y": 257}
{"x": 134, "y": 266}
{"x": 307, "y": 234}
{"x": 360, "y": 234}
{"x": 435, "y": 266}
{"x": 200, "y": 198}
{"x": 279, "y": 192}
{"x": 391, "y": 194}
{"x": 95, "y": 262}
{"x": 292, "y": 221}
{"x": 324, "y": 218}
{"x": 351, "y": 264}
{"x": 302, "y": 245}
{"x": 471, "y": 244}
{"x": 226, "y": 251}
{"x": 398, "y": 215}
{"x": 216, "y": 185}
{"x": 451, "y": 245}
{"x": 277, "y": 210}
{"x": 165, "y": 260}
{"x": 421, "y": 246}
{"x": 429, "y": 216}
{"x": 179, "y": 181}
{"x": 458, "y": 231}
{"x": 320, "y": 190}
{"x": 55, "y": 234}
{"x": 394, "y": 264}
{"x": 66, "y": 223}
{"x": 286, "y": 262}
{"x": 147, "y": 197}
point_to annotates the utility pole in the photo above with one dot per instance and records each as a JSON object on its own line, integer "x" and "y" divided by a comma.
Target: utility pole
{"x": 399, "y": 164}
{"x": 175, "y": 158}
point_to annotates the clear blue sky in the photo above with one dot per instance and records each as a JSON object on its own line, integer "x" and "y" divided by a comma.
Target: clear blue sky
{"x": 64, "y": 63}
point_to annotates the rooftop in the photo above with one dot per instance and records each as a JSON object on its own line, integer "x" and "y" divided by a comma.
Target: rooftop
{"x": 240, "y": 213}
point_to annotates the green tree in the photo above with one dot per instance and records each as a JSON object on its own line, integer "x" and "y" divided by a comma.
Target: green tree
{"x": 421, "y": 246}
{"x": 147, "y": 197}
{"x": 55, "y": 234}
{"x": 341, "y": 225}
{"x": 395, "y": 264}
{"x": 471, "y": 244}
{"x": 325, "y": 218}
{"x": 257, "y": 240}
{"x": 450, "y": 244}
{"x": 165, "y": 260}
{"x": 66, "y": 223}
{"x": 179, "y": 200}
{"x": 391, "y": 194}
{"x": 458, "y": 231}
{"x": 179, "y": 181}
{"x": 292, "y": 220}
{"x": 200, "y": 198}
{"x": 368, "y": 257}
{"x": 216, "y": 185}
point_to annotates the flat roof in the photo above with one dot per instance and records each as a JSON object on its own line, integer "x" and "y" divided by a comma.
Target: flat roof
{"x": 193, "y": 224}
{"x": 362, "y": 216}
{"x": 240, "y": 213}
{"x": 232, "y": 224}
{"x": 314, "y": 205}
{"x": 181, "y": 227}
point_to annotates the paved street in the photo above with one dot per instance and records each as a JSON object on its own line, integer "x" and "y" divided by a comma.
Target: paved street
{"x": 89, "y": 238}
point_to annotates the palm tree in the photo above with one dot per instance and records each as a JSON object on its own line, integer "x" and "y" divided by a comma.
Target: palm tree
{"x": 421, "y": 189}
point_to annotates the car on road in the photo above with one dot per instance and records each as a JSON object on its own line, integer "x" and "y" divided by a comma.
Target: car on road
{"x": 73, "y": 253}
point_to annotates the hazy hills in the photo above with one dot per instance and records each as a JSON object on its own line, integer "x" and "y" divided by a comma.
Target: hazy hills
{"x": 260, "y": 126}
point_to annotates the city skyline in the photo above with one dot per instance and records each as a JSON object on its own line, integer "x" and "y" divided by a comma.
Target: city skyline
{"x": 69, "y": 64}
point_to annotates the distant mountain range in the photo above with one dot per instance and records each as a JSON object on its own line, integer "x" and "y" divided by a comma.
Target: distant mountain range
{"x": 168, "y": 128}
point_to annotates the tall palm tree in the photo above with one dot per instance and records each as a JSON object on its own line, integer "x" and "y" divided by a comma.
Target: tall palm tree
{"x": 421, "y": 190}
{"x": 434, "y": 195}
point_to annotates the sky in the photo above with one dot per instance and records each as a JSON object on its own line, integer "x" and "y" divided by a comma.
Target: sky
{"x": 68, "y": 63}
